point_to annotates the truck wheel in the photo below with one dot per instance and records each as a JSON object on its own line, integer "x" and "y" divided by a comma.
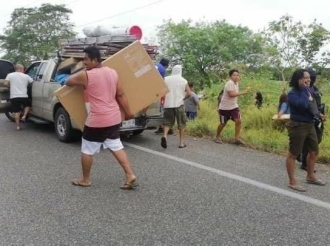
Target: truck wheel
{"x": 10, "y": 116}
{"x": 63, "y": 126}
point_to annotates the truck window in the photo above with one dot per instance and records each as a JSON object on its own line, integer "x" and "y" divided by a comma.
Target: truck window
{"x": 41, "y": 71}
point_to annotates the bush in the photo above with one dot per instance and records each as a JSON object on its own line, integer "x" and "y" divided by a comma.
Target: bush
{"x": 258, "y": 129}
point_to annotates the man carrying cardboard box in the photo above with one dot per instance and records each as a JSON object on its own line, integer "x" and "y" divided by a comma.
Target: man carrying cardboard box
{"x": 102, "y": 125}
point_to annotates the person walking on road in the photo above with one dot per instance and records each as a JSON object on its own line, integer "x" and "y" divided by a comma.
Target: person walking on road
{"x": 174, "y": 104}
{"x": 18, "y": 83}
{"x": 105, "y": 94}
{"x": 318, "y": 123}
{"x": 301, "y": 130}
{"x": 228, "y": 107}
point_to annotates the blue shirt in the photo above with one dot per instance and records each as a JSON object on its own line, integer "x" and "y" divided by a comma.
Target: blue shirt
{"x": 284, "y": 107}
{"x": 300, "y": 106}
{"x": 161, "y": 70}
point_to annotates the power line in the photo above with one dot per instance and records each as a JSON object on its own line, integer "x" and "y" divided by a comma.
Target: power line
{"x": 122, "y": 13}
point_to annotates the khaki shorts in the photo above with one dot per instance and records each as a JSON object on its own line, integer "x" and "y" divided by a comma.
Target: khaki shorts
{"x": 300, "y": 134}
{"x": 172, "y": 114}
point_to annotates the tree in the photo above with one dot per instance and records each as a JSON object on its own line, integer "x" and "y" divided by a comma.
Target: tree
{"x": 292, "y": 44}
{"x": 33, "y": 33}
{"x": 313, "y": 38}
{"x": 207, "y": 49}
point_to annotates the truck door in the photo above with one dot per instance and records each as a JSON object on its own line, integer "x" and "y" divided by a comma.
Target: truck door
{"x": 5, "y": 68}
{"x": 36, "y": 91}
{"x": 50, "y": 85}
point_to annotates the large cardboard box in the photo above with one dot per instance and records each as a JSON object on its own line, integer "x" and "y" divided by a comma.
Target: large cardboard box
{"x": 67, "y": 64}
{"x": 142, "y": 83}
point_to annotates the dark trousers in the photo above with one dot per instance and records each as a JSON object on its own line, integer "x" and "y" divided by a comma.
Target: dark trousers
{"x": 319, "y": 127}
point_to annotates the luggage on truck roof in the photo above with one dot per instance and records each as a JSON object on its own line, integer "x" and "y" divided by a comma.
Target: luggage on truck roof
{"x": 108, "y": 45}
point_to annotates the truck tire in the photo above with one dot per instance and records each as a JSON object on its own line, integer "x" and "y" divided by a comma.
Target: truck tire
{"x": 63, "y": 128}
{"x": 10, "y": 116}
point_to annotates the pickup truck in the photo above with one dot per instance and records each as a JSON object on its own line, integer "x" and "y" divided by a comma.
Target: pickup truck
{"x": 46, "y": 109}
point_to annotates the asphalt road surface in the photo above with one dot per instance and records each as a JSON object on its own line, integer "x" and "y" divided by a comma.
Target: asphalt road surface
{"x": 205, "y": 194}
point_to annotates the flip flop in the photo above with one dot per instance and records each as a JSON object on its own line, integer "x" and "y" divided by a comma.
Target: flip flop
{"x": 297, "y": 188}
{"x": 218, "y": 141}
{"x": 77, "y": 183}
{"x": 163, "y": 142}
{"x": 127, "y": 186}
{"x": 182, "y": 146}
{"x": 316, "y": 182}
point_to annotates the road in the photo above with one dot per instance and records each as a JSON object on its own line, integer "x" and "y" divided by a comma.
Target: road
{"x": 205, "y": 194}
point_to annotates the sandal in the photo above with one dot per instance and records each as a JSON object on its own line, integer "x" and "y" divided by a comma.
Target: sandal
{"x": 182, "y": 146}
{"x": 297, "y": 188}
{"x": 218, "y": 140}
{"x": 77, "y": 183}
{"x": 316, "y": 182}
{"x": 129, "y": 185}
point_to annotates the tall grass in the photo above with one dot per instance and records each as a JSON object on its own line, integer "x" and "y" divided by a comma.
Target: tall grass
{"x": 259, "y": 131}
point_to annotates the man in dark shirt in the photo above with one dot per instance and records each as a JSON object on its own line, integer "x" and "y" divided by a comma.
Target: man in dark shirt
{"x": 318, "y": 124}
{"x": 303, "y": 111}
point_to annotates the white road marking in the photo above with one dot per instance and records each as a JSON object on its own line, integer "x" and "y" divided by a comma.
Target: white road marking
{"x": 255, "y": 183}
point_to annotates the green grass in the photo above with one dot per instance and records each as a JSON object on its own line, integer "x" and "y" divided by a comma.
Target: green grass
{"x": 259, "y": 131}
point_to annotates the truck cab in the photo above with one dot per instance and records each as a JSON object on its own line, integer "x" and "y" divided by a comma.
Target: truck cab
{"x": 46, "y": 108}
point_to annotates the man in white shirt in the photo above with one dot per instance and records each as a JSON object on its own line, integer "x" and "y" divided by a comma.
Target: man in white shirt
{"x": 18, "y": 83}
{"x": 174, "y": 104}
{"x": 228, "y": 107}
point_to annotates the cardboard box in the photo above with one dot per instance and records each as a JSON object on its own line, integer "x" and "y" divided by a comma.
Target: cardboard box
{"x": 141, "y": 81}
{"x": 67, "y": 64}
{"x": 79, "y": 66}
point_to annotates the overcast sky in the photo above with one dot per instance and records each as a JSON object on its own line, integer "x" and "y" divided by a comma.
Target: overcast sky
{"x": 255, "y": 14}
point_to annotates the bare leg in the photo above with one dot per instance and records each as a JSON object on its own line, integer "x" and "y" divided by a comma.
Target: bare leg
{"x": 166, "y": 129}
{"x": 122, "y": 159}
{"x": 290, "y": 166}
{"x": 238, "y": 125}
{"x": 219, "y": 129}
{"x": 181, "y": 132}
{"x": 311, "y": 160}
{"x": 17, "y": 119}
{"x": 26, "y": 111}
{"x": 86, "y": 164}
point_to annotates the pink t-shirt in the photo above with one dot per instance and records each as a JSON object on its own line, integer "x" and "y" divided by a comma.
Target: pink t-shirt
{"x": 101, "y": 95}
{"x": 227, "y": 102}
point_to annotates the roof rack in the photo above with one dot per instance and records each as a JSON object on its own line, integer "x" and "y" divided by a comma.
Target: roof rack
{"x": 108, "y": 45}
